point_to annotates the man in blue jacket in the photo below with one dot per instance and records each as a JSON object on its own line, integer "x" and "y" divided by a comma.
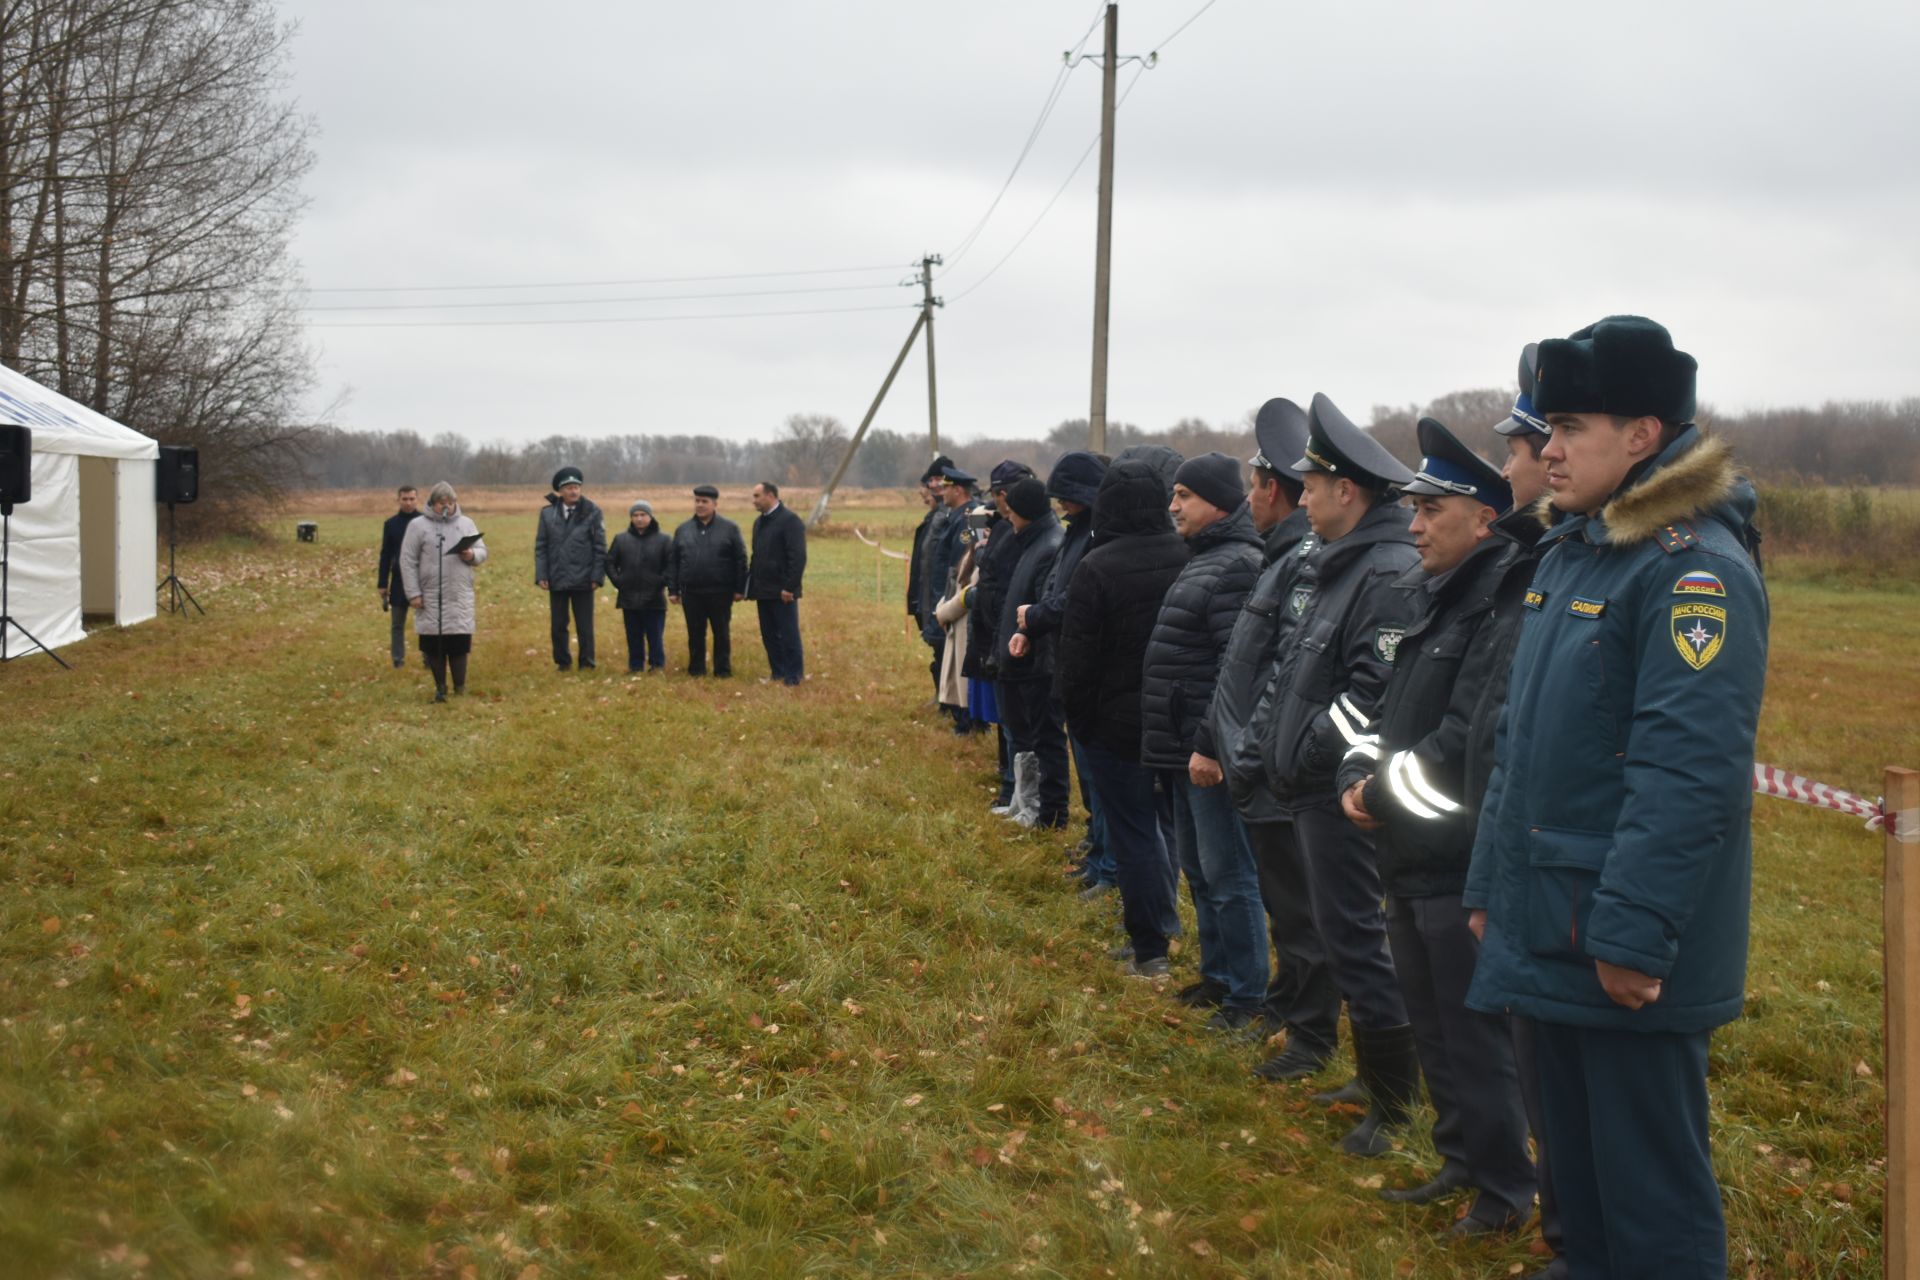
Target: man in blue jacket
{"x": 773, "y": 581}
{"x": 570, "y": 563}
{"x": 393, "y": 596}
{"x": 1612, "y": 866}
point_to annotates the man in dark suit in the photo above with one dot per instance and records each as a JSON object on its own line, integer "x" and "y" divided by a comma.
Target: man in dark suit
{"x": 773, "y": 581}
{"x": 393, "y": 597}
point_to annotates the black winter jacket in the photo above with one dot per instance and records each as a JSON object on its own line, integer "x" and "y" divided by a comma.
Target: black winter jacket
{"x": 1044, "y": 618}
{"x": 1350, "y": 617}
{"x": 1189, "y": 639}
{"x": 1414, "y": 758}
{"x": 1036, "y": 546}
{"x": 1243, "y": 698}
{"x": 570, "y": 552}
{"x": 1111, "y": 606}
{"x": 637, "y": 567}
{"x": 391, "y": 535}
{"x": 937, "y": 566}
{"x": 779, "y": 554}
{"x": 707, "y": 558}
{"x": 995, "y": 560}
{"x": 916, "y": 561}
{"x": 1500, "y": 635}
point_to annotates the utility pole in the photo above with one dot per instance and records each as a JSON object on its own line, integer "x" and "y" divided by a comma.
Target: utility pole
{"x": 1103, "y": 241}
{"x": 927, "y": 264}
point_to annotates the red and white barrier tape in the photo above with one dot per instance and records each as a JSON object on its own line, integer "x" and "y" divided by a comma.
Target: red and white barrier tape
{"x": 1771, "y": 780}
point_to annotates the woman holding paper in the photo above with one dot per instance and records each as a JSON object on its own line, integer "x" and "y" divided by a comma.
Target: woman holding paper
{"x": 437, "y": 559}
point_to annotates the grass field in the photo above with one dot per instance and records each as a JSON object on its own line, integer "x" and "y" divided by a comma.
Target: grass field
{"x": 583, "y": 975}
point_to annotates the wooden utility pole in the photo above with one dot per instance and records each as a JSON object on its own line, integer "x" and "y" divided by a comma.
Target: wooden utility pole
{"x": 927, "y": 264}
{"x": 1901, "y": 954}
{"x": 923, "y": 321}
{"x": 1103, "y": 241}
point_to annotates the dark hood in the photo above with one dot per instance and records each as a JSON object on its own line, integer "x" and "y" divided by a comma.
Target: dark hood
{"x": 1286, "y": 535}
{"x": 1132, "y": 500}
{"x": 1076, "y": 477}
{"x": 1165, "y": 462}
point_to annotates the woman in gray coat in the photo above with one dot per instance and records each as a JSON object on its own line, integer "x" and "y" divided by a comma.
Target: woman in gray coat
{"x": 439, "y": 584}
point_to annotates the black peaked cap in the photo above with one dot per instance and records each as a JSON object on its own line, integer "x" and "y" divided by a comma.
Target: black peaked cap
{"x": 1339, "y": 448}
{"x": 1280, "y": 430}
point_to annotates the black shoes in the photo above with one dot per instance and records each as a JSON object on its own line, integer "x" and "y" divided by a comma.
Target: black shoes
{"x": 1295, "y": 1062}
{"x": 1390, "y": 1073}
{"x": 1488, "y": 1221}
{"x": 1240, "y": 1024}
{"x": 1349, "y": 1092}
{"x": 1204, "y": 994}
{"x": 1450, "y": 1179}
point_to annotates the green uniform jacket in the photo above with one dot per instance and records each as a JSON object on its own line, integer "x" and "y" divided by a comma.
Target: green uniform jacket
{"x": 1615, "y": 825}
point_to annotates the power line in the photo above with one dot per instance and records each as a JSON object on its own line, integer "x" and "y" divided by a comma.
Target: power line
{"x": 710, "y": 315}
{"x": 593, "y": 302}
{"x": 598, "y": 284}
{"x": 1183, "y": 26}
{"x": 1054, "y": 91}
{"x": 1071, "y": 175}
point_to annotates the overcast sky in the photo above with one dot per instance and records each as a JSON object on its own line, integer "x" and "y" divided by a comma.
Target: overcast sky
{"x": 1382, "y": 201}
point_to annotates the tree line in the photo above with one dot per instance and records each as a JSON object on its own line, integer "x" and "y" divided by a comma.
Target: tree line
{"x": 1841, "y": 443}
{"x": 150, "y": 165}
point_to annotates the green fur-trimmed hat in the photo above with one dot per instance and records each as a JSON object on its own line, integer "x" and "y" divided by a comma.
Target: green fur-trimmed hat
{"x": 1625, "y": 365}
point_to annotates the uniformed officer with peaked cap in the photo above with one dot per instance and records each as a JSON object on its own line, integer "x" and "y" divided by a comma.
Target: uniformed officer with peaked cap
{"x": 1347, "y": 615}
{"x": 1301, "y": 995}
{"x": 1404, "y": 781}
{"x": 1613, "y": 864}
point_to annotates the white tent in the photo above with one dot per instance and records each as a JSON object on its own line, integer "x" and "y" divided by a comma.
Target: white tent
{"x": 85, "y": 542}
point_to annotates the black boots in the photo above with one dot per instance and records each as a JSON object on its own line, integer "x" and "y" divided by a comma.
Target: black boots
{"x": 437, "y": 663}
{"x": 458, "y": 661}
{"x": 1390, "y": 1073}
{"x": 1297, "y": 1061}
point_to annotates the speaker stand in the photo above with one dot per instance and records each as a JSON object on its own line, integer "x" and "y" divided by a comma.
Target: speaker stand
{"x": 7, "y": 625}
{"x": 178, "y": 597}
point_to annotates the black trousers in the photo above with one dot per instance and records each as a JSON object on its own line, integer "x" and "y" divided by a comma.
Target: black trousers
{"x": 705, "y": 609}
{"x": 581, "y": 602}
{"x": 780, "y": 634}
{"x": 1302, "y": 993}
{"x": 1526, "y": 1060}
{"x": 1626, "y": 1117}
{"x": 1466, "y": 1055}
{"x": 1034, "y": 724}
{"x": 1343, "y": 885}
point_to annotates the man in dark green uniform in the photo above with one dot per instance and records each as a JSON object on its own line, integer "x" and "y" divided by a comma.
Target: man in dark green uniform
{"x": 1613, "y": 859}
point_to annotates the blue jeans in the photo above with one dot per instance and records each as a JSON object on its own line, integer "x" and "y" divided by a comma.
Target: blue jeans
{"x": 1225, "y": 883}
{"x": 646, "y": 637}
{"x": 1142, "y": 868}
{"x": 1099, "y": 866}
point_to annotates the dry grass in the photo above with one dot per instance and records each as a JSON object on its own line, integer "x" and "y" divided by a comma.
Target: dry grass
{"x": 577, "y": 976}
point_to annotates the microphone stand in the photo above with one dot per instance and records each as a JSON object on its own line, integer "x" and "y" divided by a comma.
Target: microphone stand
{"x": 6, "y": 571}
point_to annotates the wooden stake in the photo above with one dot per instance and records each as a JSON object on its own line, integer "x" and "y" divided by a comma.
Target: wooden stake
{"x": 1901, "y": 1219}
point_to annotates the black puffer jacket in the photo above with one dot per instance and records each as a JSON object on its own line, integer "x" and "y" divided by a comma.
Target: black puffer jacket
{"x": 1111, "y": 606}
{"x": 1243, "y": 698}
{"x": 1189, "y": 638}
{"x": 1500, "y": 635}
{"x": 1036, "y": 546}
{"x": 709, "y": 557}
{"x": 637, "y": 567}
{"x": 995, "y": 561}
{"x": 1416, "y": 755}
{"x": 1351, "y": 615}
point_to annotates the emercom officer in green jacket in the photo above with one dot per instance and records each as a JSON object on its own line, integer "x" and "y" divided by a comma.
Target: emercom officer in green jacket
{"x": 1612, "y": 866}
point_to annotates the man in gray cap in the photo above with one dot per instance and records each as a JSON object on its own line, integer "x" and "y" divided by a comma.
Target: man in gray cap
{"x": 1349, "y": 616}
{"x": 570, "y": 563}
{"x": 1301, "y": 995}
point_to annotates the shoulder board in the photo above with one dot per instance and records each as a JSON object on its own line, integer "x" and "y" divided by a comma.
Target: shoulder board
{"x": 1676, "y": 537}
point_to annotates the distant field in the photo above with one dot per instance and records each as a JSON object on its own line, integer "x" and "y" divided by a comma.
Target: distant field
{"x": 578, "y": 976}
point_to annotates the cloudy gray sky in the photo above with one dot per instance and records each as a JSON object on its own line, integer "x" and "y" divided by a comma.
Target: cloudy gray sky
{"x": 1381, "y": 201}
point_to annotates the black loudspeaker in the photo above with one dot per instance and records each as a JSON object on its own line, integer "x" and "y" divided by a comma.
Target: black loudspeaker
{"x": 16, "y": 464}
{"x": 177, "y": 478}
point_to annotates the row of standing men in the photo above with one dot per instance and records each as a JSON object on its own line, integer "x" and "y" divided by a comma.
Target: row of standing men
{"x": 703, "y": 567}
{"x": 1465, "y": 747}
